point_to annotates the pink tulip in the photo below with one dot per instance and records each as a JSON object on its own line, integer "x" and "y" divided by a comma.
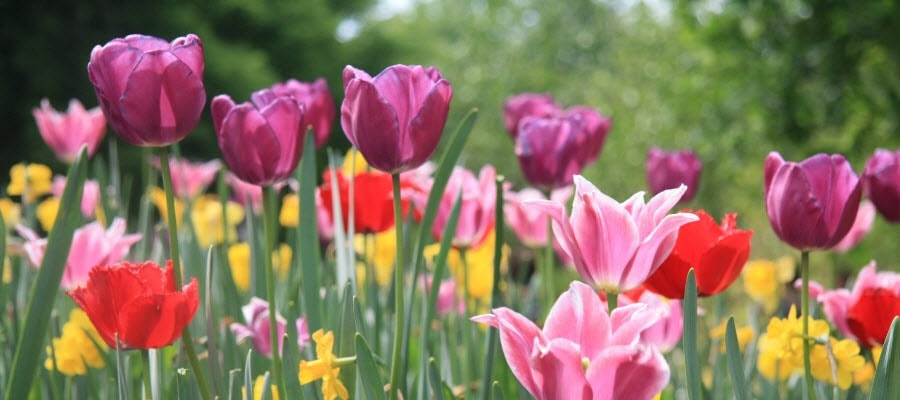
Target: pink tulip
{"x": 260, "y": 141}
{"x": 616, "y": 246}
{"x": 90, "y": 194}
{"x": 582, "y": 352}
{"x": 881, "y": 183}
{"x": 92, "y": 245}
{"x": 256, "y": 313}
{"x": 150, "y": 90}
{"x": 244, "y": 192}
{"x": 668, "y": 170}
{"x": 666, "y": 334}
{"x": 811, "y": 204}
{"x": 317, "y": 101}
{"x": 396, "y": 118}
{"x": 66, "y": 133}
{"x": 865, "y": 217}
{"x": 837, "y": 303}
{"x": 530, "y": 224}
{"x": 526, "y": 105}
{"x": 447, "y": 299}
{"x": 476, "y": 214}
{"x": 190, "y": 179}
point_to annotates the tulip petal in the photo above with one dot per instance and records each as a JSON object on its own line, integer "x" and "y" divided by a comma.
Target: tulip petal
{"x": 559, "y": 372}
{"x": 577, "y": 316}
{"x": 371, "y": 124}
{"x": 156, "y": 319}
{"x": 517, "y": 338}
{"x": 424, "y": 131}
{"x": 284, "y": 117}
{"x": 627, "y": 373}
{"x": 248, "y": 144}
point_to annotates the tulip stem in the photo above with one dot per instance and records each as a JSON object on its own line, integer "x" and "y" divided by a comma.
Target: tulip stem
{"x": 269, "y": 207}
{"x": 804, "y": 310}
{"x": 547, "y": 269}
{"x": 398, "y": 291}
{"x": 175, "y": 256}
{"x": 145, "y": 364}
{"x": 612, "y": 301}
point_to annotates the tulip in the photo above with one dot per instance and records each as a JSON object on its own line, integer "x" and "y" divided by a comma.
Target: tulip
{"x": 138, "y": 304}
{"x": 552, "y": 149}
{"x": 811, "y": 204}
{"x": 582, "y": 352}
{"x": 372, "y": 202}
{"x": 616, "y": 246}
{"x": 244, "y": 193}
{"x": 665, "y": 334}
{"x": 881, "y": 182}
{"x": 92, "y": 245}
{"x": 531, "y": 225}
{"x": 90, "y": 195}
{"x": 396, "y": 118}
{"x": 716, "y": 253}
{"x": 317, "y": 102}
{"x": 526, "y": 105}
{"x": 260, "y": 141}
{"x": 865, "y": 217}
{"x": 190, "y": 179}
{"x": 65, "y": 133}
{"x": 668, "y": 170}
{"x": 151, "y": 91}
{"x": 476, "y": 214}
{"x": 256, "y": 313}
{"x": 865, "y": 312}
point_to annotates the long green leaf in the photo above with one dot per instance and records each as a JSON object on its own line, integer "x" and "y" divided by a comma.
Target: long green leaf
{"x": 735, "y": 362}
{"x": 369, "y": 374}
{"x": 887, "y": 375}
{"x": 30, "y": 345}
{"x": 495, "y": 292}
{"x": 437, "y": 386}
{"x": 308, "y": 237}
{"x": 345, "y": 341}
{"x": 691, "y": 358}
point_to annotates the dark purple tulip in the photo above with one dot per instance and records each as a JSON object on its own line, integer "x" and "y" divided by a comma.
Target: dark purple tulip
{"x": 881, "y": 182}
{"x": 319, "y": 110}
{"x": 668, "y": 170}
{"x": 395, "y": 119}
{"x": 811, "y": 204}
{"x": 261, "y": 141}
{"x": 552, "y": 149}
{"x": 150, "y": 90}
{"x": 526, "y": 105}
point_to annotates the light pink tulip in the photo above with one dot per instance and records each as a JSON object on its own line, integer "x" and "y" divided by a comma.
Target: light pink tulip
{"x": 476, "y": 214}
{"x": 90, "y": 195}
{"x": 836, "y": 303}
{"x": 190, "y": 179}
{"x": 92, "y": 245}
{"x": 865, "y": 217}
{"x": 256, "y": 313}
{"x": 244, "y": 192}
{"x": 616, "y": 246}
{"x": 582, "y": 352}
{"x": 531, "y": 224}
{"x": 65, "y": 133}
{"x": 666, "y": 334}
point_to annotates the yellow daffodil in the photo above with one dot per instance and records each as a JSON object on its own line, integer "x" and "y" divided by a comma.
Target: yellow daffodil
{"x": 837, "y": 362}
{"x": 239, "y": 262}
{"x": 29, "y": 181}
{"x": 744, "y": 335}
{"x": 46, "y": 212}
{"x": 7, "y": 271}
{"x": 479, "y": 262}
{"x": 74, "y": 350}
{"x": 865, "y": 375}
{"x": 258, "y": 389}
{"x": 763, "y": 279}
{"x": 325, "y": 367}
{"x": 158, "y": 198}
{"x": 12, "y": 212}
{"x": 354, "y": 163}
{"x": 206, "y": 216}
{"x": 289, "y": 217}
{"x": 379, "y": 251}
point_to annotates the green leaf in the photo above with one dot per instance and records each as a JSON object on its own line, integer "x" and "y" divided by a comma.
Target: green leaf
{"x": 291, "y": 356}
{"x": 691, "y": 358}
{"x": 212, "y": 349}
{"x": 42, "y": 295}
{"x": 248, "y": 377}
{"x": 735, "y": 362}
{"x": 495, "y": 292}
{"x": 369, "y": 374}
{"x": 434, "y": 377}
{"x": 887, "y": 374}
{"x": 496, "y": 391}
{"x": 308, "y": 239}
{"x": 344, "y": 343}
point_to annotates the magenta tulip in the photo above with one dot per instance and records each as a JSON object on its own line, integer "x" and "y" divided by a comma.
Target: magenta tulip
{"x": 150, "y": 90}
{"x": 396, "y": 118}
{"x": 616, "y": 246}
{"x": 526, "y": 105}
{"x": 260, "y": 141}
{"x": 65, "y": 133}
{"x": 582, "y": 352}
{"x": 476, "y": 213}
{"x": 531, "y": 224}
{"x": 881, "y": 183}
{"x": 256, "y": 313}
{"x": 811, "y": 204}
{"x": 865, "y": 217}
{"x": 668, "y": 170}
{"x": 552, "y": 149}
{"x": 316, "y": 99}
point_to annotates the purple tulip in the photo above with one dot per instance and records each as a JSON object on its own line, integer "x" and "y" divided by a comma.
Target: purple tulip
{"x": 881, "y": 182}
{"x": 150, "y": 90}
{"x": 526, "y": 105}
{"x": 552, "y": 149}
{"x": 316, "y": 98}
{"x": 811, "y": 204}
{"x": 65, "y": 133}
{"x": 395, "y": 119}
{"x": 668, "y": 170}
{"x": 256, "y": 313}
{"x": 261, "y": 141}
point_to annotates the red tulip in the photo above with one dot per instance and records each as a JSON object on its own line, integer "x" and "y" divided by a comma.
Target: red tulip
{"x": 716, "y": 253}
{"x": 150, "y": 90}
{"x": 138, "y": 303}
{"x": 317, "y": 102}
{"x": 373, "y": 205}
{"x": 869, "y": 319}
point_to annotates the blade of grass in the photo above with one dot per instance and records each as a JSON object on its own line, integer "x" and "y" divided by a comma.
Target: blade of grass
{"x": 43, "y": 293}
{"x": 248, "y": 377}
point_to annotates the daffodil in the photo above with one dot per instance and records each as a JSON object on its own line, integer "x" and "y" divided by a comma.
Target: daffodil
{"x": 12, "y": 212}
{"x": 378, "y": 250}
{"x": 239, "y": 262}
{"x": 258, "y": 385}
{"x": 158, "y": 198}
{"x": 326, "y": 367}
{"x": 77, "y": 348}
{"x": 289, "y": 217}
{"x": 744, "y": 335}
{"x": 354, "y": 163}
{"x": 46, "y": 213}
{"x": 474, "y": 267}
{"x": 763, "y": 279}
{"x": 29, "y": 181}
{"x": 209, "y": 226}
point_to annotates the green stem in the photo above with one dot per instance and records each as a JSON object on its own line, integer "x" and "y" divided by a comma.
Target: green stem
{"x": 186, "y": 338}
{"x": 612, "y": 301}
{"x": 804, "y": 311}
{"x": 398, "y": 291}
{"x": 145, "y": 363}
{"x": 547, "y": 270}
{"x": 269, "y": 207}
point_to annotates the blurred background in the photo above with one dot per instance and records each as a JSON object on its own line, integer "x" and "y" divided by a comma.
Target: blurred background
{"x": 731, "y": 79}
